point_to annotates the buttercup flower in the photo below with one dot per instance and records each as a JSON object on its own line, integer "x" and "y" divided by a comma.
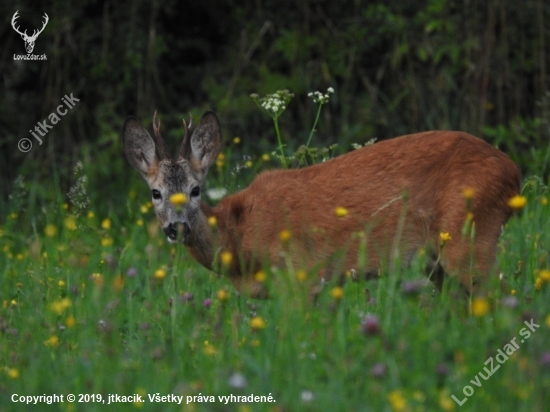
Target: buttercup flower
{"x": 178, "y": 199}
{"x": 517, "y": 202}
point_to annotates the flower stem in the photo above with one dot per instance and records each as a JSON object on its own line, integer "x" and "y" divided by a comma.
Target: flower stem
{"x": 283, "y": 158}
{"x": 314, "y": 124}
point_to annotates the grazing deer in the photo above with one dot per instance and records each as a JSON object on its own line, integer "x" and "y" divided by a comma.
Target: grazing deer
{"x": 394, "y": 198}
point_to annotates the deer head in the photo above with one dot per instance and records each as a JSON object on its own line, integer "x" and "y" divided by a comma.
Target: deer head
{"x": 166, "y": 177}
{"x": 29, "y": 40}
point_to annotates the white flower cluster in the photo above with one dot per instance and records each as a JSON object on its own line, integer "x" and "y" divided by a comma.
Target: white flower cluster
{"x": 274, "y": 104}
{"x": 319, "y": 97}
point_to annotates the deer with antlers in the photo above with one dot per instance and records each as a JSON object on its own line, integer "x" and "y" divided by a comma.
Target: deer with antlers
{"x": 389, "y": 200}
{"x": 29, "y": 40}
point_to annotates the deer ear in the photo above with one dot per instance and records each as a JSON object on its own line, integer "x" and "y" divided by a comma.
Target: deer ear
{"x": 205, "y": 142}
{"x": 139, "y": 147}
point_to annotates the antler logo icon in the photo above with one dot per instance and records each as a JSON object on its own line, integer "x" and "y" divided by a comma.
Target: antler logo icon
{"x": 29, "y": 40}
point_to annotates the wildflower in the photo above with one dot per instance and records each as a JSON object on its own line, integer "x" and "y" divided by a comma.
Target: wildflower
{"x": 284, "y": 235}
{"x": 306, "y": 396}
{"x": 160, "y": 274}
{"x": 97, "y": 279}
{"x": 341, "y": 211}
{"x": 468, "y": 193}
{"x": 106, "y": 223}
{"x": 52, "y": 342}
{"x": 216, "y": 193}
{"x": 513, "y": 292}
{"x": 143, "y": 209}
{"x": 444, "y": 237}
{"x": 236, "y": 140}
{"x": 212, "y": 221}
{"x": 118, "y": 283}
{"x": 222, "y": 295}
{"x": 131, "y": 272}
{"x": 545, "y": 359}
{"x": 61, "y": 283}
{"x": 12, "y": 373}
{"x": 106, "y": 241}
{"x": 480, "y": 306}
{"x": 209, "y": 349}
{"x": 238, "y": 381}
{"x": 378, "y": 370}
{"x": 226, "y": 258}
{"x": 70, "y": 223}
{"x": 249, "y": 164}
{"x": 265, "y": 157}
{"x": 337, "y": 293}
{"x": 544, "y": 201}
{"x": 13, "y": 302}
{"x": 178, "y": 199}
{"x": 70, "y": 321}
{"x": 59, "y": 306}
{"x": 301, "y": 275}
{"x": 139, "y": 222}
{"x": 547, "y": 321}
{"x": 445, "y": 401}
{"x": 260, "y": 276}
{"x": 50, "y": 230}
{"x": 91, "y": 215}
{"x": 538, "y": 283}
{"x": 319, "y": 97}
{"x": 544, "y": 275}
{"x": 19, "y": 256}
{"x": 371, "y": 325}
{"x": 397, "y": 400}
{"x": 257, "y": 323}
{"x": 517, "y": 202}
{"x": 207, "y": 302}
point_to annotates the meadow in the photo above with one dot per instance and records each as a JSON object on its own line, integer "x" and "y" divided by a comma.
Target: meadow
{"x": 96, "y": 303}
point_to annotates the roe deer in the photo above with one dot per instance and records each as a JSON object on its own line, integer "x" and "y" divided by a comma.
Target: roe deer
{"x": 397, "y": 196}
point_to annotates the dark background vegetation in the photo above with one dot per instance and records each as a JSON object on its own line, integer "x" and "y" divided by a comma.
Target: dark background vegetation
{"x": 397, "y": 67}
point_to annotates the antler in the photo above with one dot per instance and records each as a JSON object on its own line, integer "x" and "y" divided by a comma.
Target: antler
{"x": 158, "y": 137}
{"x": 15, "y": 16}
{"x": 35, "y": 35}
{"x": 184, "y": 149}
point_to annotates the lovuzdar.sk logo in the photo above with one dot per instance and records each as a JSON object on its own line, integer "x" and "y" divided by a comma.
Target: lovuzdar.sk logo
{"x": 29, "y": 40}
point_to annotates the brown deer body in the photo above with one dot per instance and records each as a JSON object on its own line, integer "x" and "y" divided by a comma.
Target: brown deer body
{"x": 399, "y": 195}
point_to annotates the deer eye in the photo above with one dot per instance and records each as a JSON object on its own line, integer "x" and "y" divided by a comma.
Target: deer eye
{"x": 156, "y": 194}
{"x": 195, "y": 191}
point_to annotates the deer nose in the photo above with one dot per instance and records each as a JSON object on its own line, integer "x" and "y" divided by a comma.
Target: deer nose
{"x": 171, "y": 231}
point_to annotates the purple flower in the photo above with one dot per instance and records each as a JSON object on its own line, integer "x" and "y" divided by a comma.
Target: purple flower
{"x": 545, "y": 359}
{"x": 371, "y": 325}
{"x": 132, "y": 272}
{"x": 207, "y": 302}
{"x": 378, "y": 370}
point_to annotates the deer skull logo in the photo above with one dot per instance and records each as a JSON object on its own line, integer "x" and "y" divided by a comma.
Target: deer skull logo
{"x": 29, "y": 40}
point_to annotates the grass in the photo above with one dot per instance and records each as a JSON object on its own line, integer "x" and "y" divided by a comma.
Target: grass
{"x": 99, "y": 305}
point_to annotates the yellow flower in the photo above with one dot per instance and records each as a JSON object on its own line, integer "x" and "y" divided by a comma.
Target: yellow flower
{"x": 212, "y": 221}
{"x": 255, "y": 342}
{"x": 301, "y": 275}
{"x": 50, "y": 230}
{"x": 118, "y": 283}
{"x": 12, "y": 373}
{"x": 91, "y": 215}
{"x": 107, "y": 241}
{"x": 19, "y": 256}
{"x": 143, "y": 209}
{"x": 226, "y": 258}
{"x": 106, "y": 223}
{"x": 249, "y": 164}
{"x": 445, "y": 401}
{"x": 13, "y": 302}
{"x": 160, "y": 274}
{"x": 222, "y": 295}
{"x": 538, "y": 283}
{"x": 468, "y": 193}
{"x": 444, "y": 237}
{"x": 480, "y": 306}
{"x": 513, "y": 292}
{"x": 178, "y": 199}
{"x": 236, "y": 140}
{"x": 70, "y": 223}
{"x": 52, "y": 342}
{"x": 517, "y": 202}
{"x": 209, "y": 349}
{"x": 337, "y": 293}
{"x": 397, "y": 400}
{"x": 285, "y": 235}
{"x": 547, "y": 320}
{"x": 544, "y": 275}
{"x": 97, "y": 279}
{"x": 221, "y": 156}
{"x": 61, "y": 283}
{"x": 260, "y": 276}
{"x": 257, "y": 323}
{"x": 544, "y": 201}
{"x": 341, "y": 211}
{"x": 139, "y": 222}
{"x": 70, "y": 321}
{"x": 59, "y": 306}
{"x": 265, "y": 157}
